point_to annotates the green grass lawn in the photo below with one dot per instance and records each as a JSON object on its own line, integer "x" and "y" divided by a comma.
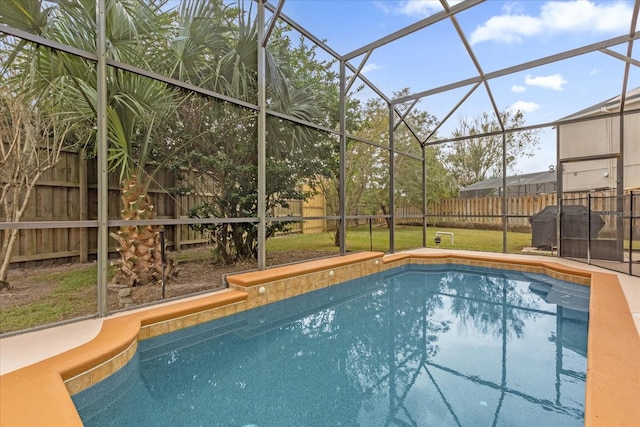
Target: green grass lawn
{"x": 74, "y": 295}
{"x": 74, "y": 292}
{"x": 406, "y": 237}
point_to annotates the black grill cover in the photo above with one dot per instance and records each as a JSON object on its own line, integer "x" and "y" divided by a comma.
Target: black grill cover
{"x": 575, "y": 224}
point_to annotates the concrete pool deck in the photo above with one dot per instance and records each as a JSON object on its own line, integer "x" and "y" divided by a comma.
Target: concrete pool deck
{"x": 40, "y": 369}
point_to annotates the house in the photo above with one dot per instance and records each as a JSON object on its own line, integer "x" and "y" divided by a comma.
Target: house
{"x": 589, "y": 145}
{"x": 527, "y": 184}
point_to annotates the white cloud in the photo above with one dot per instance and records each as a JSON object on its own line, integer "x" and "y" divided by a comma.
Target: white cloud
{"x": 412, "y": 8}
{"x": 369, "y": 67}
{"x": 518, "y": 88}
{"x": 382, "y": 6}
{"x": 419, "y": 8}
{"x": 507, "y": 29}
{"x": 554, "y": 81}
{"x": 524, "y": 106}
{"x": 555, "y": 17}
{"x": 583, "y": 15}
{"x": 512, "y": 7}
{"x": 594, "y": 71}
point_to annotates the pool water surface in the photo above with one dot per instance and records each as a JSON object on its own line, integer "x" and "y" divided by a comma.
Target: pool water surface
{"x": 416, "y": 345}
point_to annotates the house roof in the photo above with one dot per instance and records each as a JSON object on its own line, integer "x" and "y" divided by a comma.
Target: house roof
{"x": 512, "y": 181}
{"x": 609, "y": 106}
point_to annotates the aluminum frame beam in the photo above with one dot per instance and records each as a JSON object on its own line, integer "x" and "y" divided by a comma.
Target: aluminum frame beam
{"x": 103, "y": 150}
{"x": 413, "y": 28}
{"x": 523, "y": 66}
{"x": 262, "y": 138}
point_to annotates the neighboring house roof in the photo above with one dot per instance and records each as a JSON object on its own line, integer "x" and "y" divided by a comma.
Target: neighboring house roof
{"x": 608, "y": 106}
{"x": 512, "y": 181}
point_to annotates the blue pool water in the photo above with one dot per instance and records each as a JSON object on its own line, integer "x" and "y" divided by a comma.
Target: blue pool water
{"x": 417, "y": 345}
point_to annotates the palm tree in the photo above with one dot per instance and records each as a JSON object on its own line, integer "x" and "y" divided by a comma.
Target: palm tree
{"x": 202, "y": 42}
{"x": 224, "y": 137}
{"x": 134, "y": 102}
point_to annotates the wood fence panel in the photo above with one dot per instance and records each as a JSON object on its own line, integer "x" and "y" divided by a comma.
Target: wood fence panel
{"x": 294, "y": 209}
{"x": 69, "y": 192}
{"x": 314, "y": 226}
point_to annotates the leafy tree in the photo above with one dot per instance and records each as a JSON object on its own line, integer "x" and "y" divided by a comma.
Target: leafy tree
{"x": 368, "y": 166}
{"x": 364, "y": 186}
{"x": 32, "y": 137}
{"x": 134, "y": 102}
{"x": 223, "y": 139}
{"x": 206, "y": 43}
{"x": 480, "y": 156}
{"x": 408, "y": 171}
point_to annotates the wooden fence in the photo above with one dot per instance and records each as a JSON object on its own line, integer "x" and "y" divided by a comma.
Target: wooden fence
{"x": 314, "y": 207}
{"x": 488, "y": 210}
{"x": 69, "y": 192}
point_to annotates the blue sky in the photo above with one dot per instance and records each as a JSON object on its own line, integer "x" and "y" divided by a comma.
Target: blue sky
{"x": 502, "y": 34}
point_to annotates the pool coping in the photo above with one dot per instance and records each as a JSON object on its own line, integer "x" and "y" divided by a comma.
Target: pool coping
{"x": 40, "y": 394}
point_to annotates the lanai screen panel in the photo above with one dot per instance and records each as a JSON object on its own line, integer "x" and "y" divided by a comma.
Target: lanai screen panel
{"x": 590, "y": 138}
{"x": 597, "y": 138}
{"x": 632, "y": 150}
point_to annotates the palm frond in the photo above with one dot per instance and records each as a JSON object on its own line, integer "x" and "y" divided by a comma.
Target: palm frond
{"x": 25, "y": 15}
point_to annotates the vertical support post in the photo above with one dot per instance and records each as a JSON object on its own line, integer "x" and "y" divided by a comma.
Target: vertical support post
{"x": 505, "y": 221}
{"x": 342, "y": 199}
{"x": 559, "y": 192}
{"x": 620, "y": 192}
{"x": 392, "y": 196}
{"x": 103, "y": 150}
{"x": 631, "y": 208}
{"x": 163, "y": 257}
{"x": 83, "y": 204}
{"x": 589, "y": 228}
{"x": 424, "y": 195}
{"x": 262, "y": 140}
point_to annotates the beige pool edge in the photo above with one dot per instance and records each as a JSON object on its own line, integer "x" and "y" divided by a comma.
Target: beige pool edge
{"x": 39, "y": 394}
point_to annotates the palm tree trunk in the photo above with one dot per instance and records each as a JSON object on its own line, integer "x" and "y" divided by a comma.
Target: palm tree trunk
{"x": 139, "y": 246}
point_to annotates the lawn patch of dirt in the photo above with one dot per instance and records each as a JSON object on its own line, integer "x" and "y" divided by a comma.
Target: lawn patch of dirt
{"x": 28, "y": 286}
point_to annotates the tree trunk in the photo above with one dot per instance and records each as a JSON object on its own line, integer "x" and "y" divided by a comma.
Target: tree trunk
{"x": 7, "y": 248}
{"x": 384, "y": 212}
{"x": 14, "y": 208}
{"x": 139, "y": 246}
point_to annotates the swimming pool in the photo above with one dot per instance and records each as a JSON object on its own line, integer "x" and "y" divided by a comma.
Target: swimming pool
{"x": 421, "y": 345}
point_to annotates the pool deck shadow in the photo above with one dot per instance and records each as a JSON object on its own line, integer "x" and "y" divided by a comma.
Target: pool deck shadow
{"x": 40, "y": 394}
